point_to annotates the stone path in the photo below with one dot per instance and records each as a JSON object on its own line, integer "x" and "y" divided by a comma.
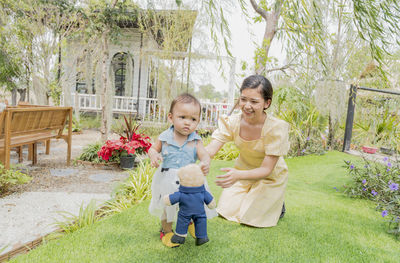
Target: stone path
{"x": 30, "y": 212}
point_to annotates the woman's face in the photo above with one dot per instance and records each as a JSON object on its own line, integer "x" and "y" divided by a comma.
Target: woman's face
{"x": 252, "y": 103}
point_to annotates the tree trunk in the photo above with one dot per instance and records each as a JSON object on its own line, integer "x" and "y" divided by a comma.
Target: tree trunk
{"x": 22, "y": 94}
{"x": 105, "y": 106}
{"x": 104, "y": 89}
{"x": 271, "y": 27}
{"x": 14, "y": 96}
{"x": 331, "y": 132}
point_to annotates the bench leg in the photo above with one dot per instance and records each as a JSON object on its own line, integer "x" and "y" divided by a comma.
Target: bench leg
{"x": 30, "y": 152}
{"x": 47, "y": 147}
{"x": 19, "y": 150}
{"x": 34, "y": 153}
{"x": 2, "y": 157}
{"x": 7, "y": 159}
{"x": 69, "y": 153}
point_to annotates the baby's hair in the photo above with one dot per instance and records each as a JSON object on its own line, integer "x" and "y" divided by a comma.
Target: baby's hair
{"x": 185, "y": 98}
{"x": 255, "y": 82}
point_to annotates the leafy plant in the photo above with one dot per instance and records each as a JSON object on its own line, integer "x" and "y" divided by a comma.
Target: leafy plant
{"x": 380, "y": 183}
{"x": 89, "y": 122}
{"x": 134, "y": 190}
{"x": 70, "y": 223}
{"x": 76, "y": 125}
{"x": 127, "y": 126}
{"x": 11, "y": 177}
{"x": 228, "y": 152}
{"x": 89, "y": 153}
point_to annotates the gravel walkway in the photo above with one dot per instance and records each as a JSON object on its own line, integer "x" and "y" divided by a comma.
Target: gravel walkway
{"x": 31, "y": 210}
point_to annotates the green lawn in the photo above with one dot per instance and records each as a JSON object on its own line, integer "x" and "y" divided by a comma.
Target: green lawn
{"x": 321, "y": 225}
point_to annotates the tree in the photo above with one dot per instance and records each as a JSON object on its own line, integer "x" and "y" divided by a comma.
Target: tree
{"x": 208, "y": 92}
{"x": 305, "y": 27}
{"x": 35, "y": 27}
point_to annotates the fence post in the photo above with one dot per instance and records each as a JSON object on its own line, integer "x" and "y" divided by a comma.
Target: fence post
{"x": 350, "y": 118}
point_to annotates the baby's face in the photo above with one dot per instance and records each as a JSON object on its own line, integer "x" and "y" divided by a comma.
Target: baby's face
{"x": 185, "y": 117}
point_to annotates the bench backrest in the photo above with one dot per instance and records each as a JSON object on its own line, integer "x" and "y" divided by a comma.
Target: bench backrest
{"x": 18, "y": 121}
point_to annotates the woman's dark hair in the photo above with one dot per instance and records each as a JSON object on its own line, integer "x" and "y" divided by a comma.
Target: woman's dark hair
{"x": 184, "y": 98}
{"x": 258, "y": 81}
{"x": 255, "y": 82}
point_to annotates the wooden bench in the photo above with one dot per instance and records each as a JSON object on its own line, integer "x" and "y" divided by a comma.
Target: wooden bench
{"x": 29, "y": 125}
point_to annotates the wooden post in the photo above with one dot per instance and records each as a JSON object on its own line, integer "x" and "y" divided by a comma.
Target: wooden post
{"x": 34, "y": 153}
{"x": 350, "y": 118}
{"x": 19, "y": 150}
{"x": 7, "y": 140}
{"x": 47, "y": 143}
{"x": 30, "y": 152}
{"x": 69, "y": 141}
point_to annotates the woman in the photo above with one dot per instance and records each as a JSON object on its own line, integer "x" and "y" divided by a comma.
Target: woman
{"x": 254, "y": 189}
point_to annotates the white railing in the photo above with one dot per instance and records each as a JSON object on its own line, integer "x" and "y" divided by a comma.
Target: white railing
{"x": 149, "y": 109}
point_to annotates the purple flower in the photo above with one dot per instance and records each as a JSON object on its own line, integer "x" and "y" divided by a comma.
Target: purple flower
{"x": 389, "y": 164}
{"x": 335, "y": 189}
{"x": 373, "y": 192}
{"x": 387, "y": 170}
{"x": 394, "y": 187}
{"x": 364, "y": 181}
{"x": 364, "y": 189}
{"x": 385, "y": 159}
{"x": 351, "y": 166}
{"x": 303, "y": 151}
{"x": 384, "y": 213}
{"x": 308, "y": 138}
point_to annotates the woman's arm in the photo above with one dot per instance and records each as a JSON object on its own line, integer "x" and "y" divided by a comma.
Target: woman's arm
{"x": 154, "y": 153}
{"x": 233, "y": 175}
{"x": 213, "y": 147}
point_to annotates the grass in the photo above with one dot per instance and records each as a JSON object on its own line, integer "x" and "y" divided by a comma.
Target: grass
{"x": 321, "y": 225}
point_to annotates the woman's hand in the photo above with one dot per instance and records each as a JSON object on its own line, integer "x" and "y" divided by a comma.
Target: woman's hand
{"x": 227, "y": 180}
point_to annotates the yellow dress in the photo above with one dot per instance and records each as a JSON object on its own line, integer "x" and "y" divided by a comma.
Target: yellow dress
{"x": 255, "y": 202}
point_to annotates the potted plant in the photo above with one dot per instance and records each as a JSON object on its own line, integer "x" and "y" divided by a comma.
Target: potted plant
{"x": 127, "y": 147}
{"x": 367, "y": 147}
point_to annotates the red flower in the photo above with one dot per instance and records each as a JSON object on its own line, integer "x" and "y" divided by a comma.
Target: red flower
{"x": 138, "y": 144}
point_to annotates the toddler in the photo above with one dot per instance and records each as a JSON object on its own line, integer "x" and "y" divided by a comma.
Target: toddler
{"x": 176, "y": 147}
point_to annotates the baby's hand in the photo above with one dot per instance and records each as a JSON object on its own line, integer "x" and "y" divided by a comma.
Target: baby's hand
{"x": 155, "y": 159}
{"x": 205, "y": 167}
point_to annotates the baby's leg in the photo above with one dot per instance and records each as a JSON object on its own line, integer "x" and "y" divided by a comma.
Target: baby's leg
{"x": 166, "y": 226}
{"x": 166, "y": 233}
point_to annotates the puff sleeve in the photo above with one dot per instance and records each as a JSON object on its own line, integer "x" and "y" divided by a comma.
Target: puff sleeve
{"x": 276, "y": 139}
{"x": 224, "y": 132}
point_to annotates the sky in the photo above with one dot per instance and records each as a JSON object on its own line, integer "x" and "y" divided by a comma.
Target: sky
{"x": 244, "y": 41}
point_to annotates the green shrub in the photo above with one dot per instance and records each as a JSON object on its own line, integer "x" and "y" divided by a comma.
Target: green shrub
{"x": 134, "y": 190}
{"x": 90, "y": 122}
{"x": 76, "y": 125}
{"x": 228, "y": 152}
{"x": 70, "y": 222}
{"x": 204, "y": 133}
{"x": 380, "y": 183}
{"x": 11, "y": 177}
{"x": 152, "y": 130}
{"x": 89, "y": 153}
